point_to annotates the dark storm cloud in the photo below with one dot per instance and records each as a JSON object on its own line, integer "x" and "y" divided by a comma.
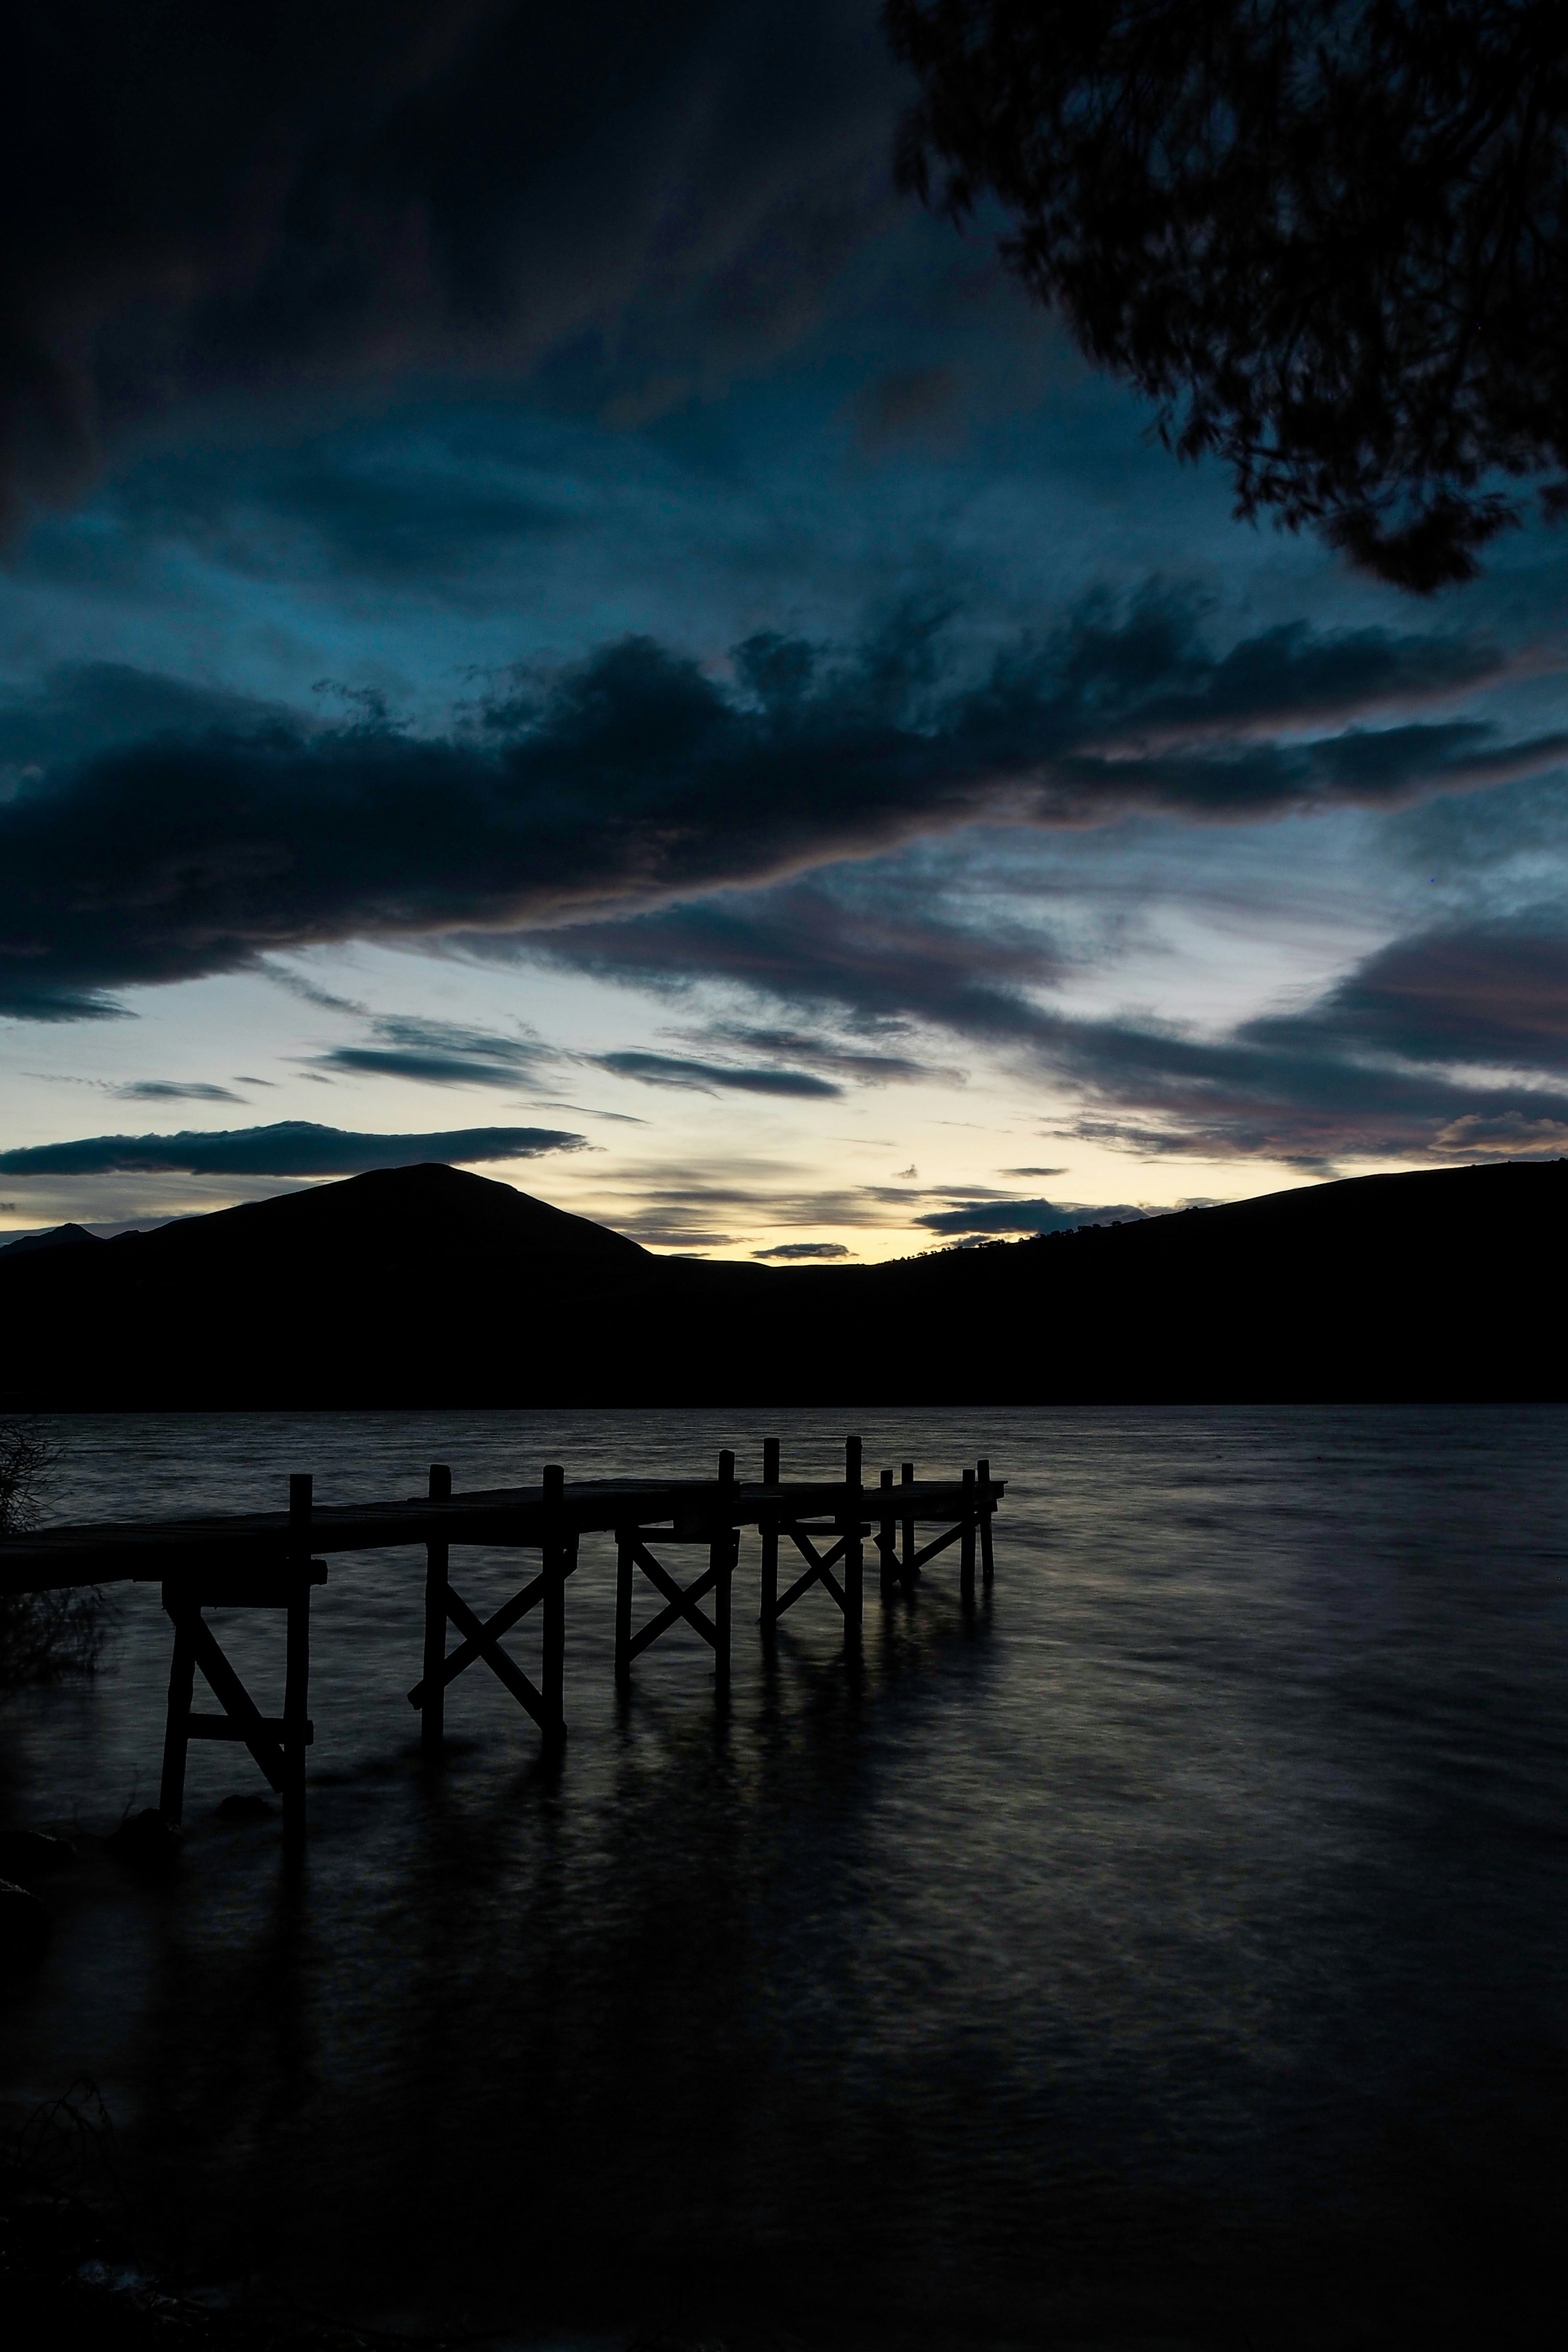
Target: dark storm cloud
{"x": 293, "y": 1147}
{"x": 220, "y": 834}
{"x": 706, "y": 1077}
{"x": 438, "y": 1053}
{"x": 630, "y": 200}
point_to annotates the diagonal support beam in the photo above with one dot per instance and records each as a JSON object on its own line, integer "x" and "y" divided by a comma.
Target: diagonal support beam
{"x": 819, "y": 1572}
{"x": 681, "y": 1603}
{"x": 940, "y": 1543}
{"x": 235, "y": 1699}
{"x": 491, "y": 1630}
{"x": 505, "y": 1669}
{"x": 685, "y": 1606}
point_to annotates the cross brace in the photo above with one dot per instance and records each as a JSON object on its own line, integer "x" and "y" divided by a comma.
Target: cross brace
{"x": 482, "y": 1639}
{"x": 681, "y": 1601}
{"x": 819, "y": 1568}
{"x": 278, "y": 1743}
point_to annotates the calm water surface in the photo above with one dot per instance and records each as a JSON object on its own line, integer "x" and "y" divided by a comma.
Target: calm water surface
{"x": 1172, "y": 1952}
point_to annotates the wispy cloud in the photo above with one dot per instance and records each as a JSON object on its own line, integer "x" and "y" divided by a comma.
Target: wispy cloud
{"x": 1021, "y": 1217}
{"x": 712, "y": 1078}
{"x": 439, "y": 1054}
{"x": 806, "y": 1250}
{"x": 174, "y": 1090}
{"x": 1450, "y": 1043}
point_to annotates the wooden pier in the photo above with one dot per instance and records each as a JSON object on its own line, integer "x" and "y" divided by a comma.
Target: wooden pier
{"x": 275, "y": 1559}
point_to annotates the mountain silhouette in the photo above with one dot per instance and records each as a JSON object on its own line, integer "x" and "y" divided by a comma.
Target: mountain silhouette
{"x": 430, "y": 1286}
{"x": 58, "y": 1238}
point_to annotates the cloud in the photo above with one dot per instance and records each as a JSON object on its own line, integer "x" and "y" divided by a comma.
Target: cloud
{"x": 401, "y": 512}
{"x": 438, "y": 1053}
{"x": 589, "y": 1110}
{"x": 626, "y": 204}
{"x": 1483, "y": 994}
{"x": 666, "y": 1204}
{"x": 916, "y": 406}
{"x": 174, "y": 1090}
{"x": 868, "y": 947}
{"x": 1021, "y": 1217}
{"x": 299, "y": 984}
{"x": 860, "y": 1065}
{"x": 1029, "y": 1171}
{"x": 805, "y": 1250}
{"x": 1389, "y": 1062}
{"x": 706, "y": 1077}
{"x": 635, "y": 781}
{"x": 293, "y": 1147}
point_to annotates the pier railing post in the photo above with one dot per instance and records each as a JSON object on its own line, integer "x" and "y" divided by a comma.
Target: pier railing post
{"x": 885, "y": 1552}
{"x": 853, "y": 1558}
{"x": 770, "y": 1535}
{"x": 433, "y": 1715}
{"x": 721, "y": 1562}
{"x": 907, "y": 1569}
{"x": 966, "y": 1542}
{"x": 296, "y": 1673}
{"x": 987, "y": 1557}
{"x": 553, "y": 1678}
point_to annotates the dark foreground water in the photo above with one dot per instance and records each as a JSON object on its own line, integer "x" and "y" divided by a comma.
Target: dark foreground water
{"x": 1171, "y": 1953}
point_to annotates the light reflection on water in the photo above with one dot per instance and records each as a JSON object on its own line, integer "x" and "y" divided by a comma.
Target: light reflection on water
{"x": 1191, "y": 1917}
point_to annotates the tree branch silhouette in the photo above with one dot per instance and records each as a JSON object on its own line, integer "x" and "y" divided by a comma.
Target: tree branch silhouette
{"x": 1326, "y": 237}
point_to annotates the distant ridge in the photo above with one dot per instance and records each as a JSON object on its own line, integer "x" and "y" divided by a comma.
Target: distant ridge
{"x": 430, "y": 1286}
{"x": 58, "y": 1238}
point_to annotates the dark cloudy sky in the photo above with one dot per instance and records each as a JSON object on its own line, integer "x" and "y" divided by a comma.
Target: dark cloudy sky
{"x": 549, "y": 620}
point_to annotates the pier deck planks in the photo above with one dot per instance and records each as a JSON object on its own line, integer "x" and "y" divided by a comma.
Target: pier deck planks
{"x": 156, "y": 1551}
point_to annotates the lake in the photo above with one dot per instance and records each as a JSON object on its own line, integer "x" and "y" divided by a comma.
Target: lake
{"x": 1174, "y": 1951}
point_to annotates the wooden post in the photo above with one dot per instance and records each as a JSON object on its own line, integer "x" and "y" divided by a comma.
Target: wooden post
{"x": 907, "y": 1570}
{"x": 433, "y": 1715}
{"x": 885, "y": 1549}
{"x": 182, "y": 1692}
{"x": 297, "y": 1676}
{"x": 624, "y": 1565}
{"x": 770, "y": 1535}
{"x": 721, "y": 1560}
{"x": 853, "y": 1563}
{"x": 966, "y": 1542}
{"x": 987, "y": 1559}
{"x": 554, "y": 1678}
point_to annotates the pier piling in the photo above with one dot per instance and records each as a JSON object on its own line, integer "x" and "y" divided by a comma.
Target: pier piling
{"x": 433, "y": 1716}
{"x": 557, "y": 1567}
{"x": 854, "y": 1556}
{"x": 768, "y": 1530}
